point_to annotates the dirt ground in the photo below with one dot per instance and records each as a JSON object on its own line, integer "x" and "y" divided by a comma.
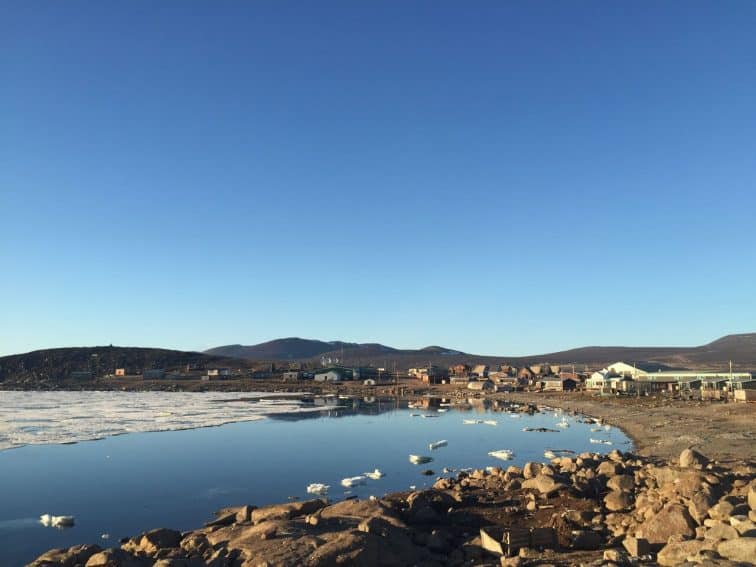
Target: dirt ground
{"x": 662, "y": 427}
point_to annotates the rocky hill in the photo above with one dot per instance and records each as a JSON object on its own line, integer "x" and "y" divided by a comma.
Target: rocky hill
{"x": 55, "y": 365}
{"x": 740, "y": 349}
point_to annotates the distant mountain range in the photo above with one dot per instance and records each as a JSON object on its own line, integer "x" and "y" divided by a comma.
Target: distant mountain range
{"x": 294, "y": 348}
{"x": 45, "y": 368}
{"x": 740, "y": 349}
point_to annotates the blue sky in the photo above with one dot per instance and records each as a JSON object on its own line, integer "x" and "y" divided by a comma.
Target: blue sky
{"x": 497, "y": 177}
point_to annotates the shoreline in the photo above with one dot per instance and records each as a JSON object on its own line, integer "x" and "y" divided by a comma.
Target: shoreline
{"x": 660, "y": 502}
{"x": 658, "y": 426}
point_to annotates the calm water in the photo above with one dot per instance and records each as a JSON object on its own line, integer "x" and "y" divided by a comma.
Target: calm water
{"x": 126, "y": 484}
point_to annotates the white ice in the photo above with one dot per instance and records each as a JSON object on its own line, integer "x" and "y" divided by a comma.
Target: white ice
{"x": 28, "y": 418}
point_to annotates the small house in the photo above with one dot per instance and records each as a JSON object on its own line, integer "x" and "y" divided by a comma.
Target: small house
{"x": 526, "y": 374}
{"x": 219, "y": 372}
{"x": 480, "y": 371}
{"x": 332, "y": 375}
{"x": 459, "y": 370}
{"x": 558, "y": 384}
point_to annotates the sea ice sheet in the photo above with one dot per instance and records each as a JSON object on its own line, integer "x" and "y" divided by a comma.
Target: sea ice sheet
{"x": 65, "y": 417}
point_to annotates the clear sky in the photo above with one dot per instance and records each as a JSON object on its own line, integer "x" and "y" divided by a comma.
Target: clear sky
{"x": 499, "y": 177}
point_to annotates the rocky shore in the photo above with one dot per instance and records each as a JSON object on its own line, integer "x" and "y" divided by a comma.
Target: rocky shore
{"x": 587, "y": 509}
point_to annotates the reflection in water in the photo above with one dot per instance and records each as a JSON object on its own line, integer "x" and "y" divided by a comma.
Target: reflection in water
{"x": 126, "y": 484}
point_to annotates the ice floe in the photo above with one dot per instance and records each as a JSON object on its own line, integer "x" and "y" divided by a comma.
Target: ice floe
{"x": 318, "y": 488}
{"x": 375, "y": 475}
{"x": 503, "y": 454}
{"x": 28, "y": 418}
{"x": 50, "y": 521}
{"x": 438, "y": 444}
{"x": 353, "y": 481}
{"x": 419, "y": 459}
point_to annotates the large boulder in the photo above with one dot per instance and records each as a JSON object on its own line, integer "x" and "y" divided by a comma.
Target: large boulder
{"x": 720, "y": 531}
{"x": 153, "y": 541}
{"x": 740, "y": 549}
{"x": 752, "y": 496}
{"x": 677, "y": 552}
{"x": 117, "y": 558}
{"x": 617, "y": 500}
{"x": 699, "y": 505}
{"x": 608, "y": 468}
{"x": 622, "y": 482}
{"x": 672, "y": 520}
{"x": 287, "y": 511}
{"x": 531, "y": 470}
{"x": 545, "y": 484}
{"x": 690, "y": 458}
{"x": 70, "y": 557}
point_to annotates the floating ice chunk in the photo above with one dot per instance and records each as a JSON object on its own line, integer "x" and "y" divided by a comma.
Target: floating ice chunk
{"x": 419, "y": 459}
{"x": 429, "y": 415}
{"x": 438, "y": 444}
{"x": 514, "y": 415}
{"x": 472, "y": 421}
{"x": 50, "y": 521}
{"x": 549, "y": 454}
{"x": 317, "y": 488}
{"x": 353, "y": 481}
{"x": 375, "y": 475}
{"x": 105, "y": 536}
{"x": 503, "y": 454}
{"x": 442, "y": 410}
{"x": 491, "y": 422}
{"x": 601, "y": 441}
{"x": 563, "y": 424}
{"x": 607, "y": 427}
{"x": 412, "y": 487}
{"x": 595, "y": 429}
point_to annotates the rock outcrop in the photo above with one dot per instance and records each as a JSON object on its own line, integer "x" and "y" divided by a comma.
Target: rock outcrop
{"x": 606, "y": 509}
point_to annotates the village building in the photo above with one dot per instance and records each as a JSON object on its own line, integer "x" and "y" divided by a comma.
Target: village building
{"x": 367, "y": 373}
{"x": 291, "y": 376}
{"x": 479, "y": 371}
{"x": 219, "y": 372}
{"x": 558, "y": 384}
{"x": 333, "y": 375}
{"x": 459, "y": 370}
{"x": 526, "y": 374}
